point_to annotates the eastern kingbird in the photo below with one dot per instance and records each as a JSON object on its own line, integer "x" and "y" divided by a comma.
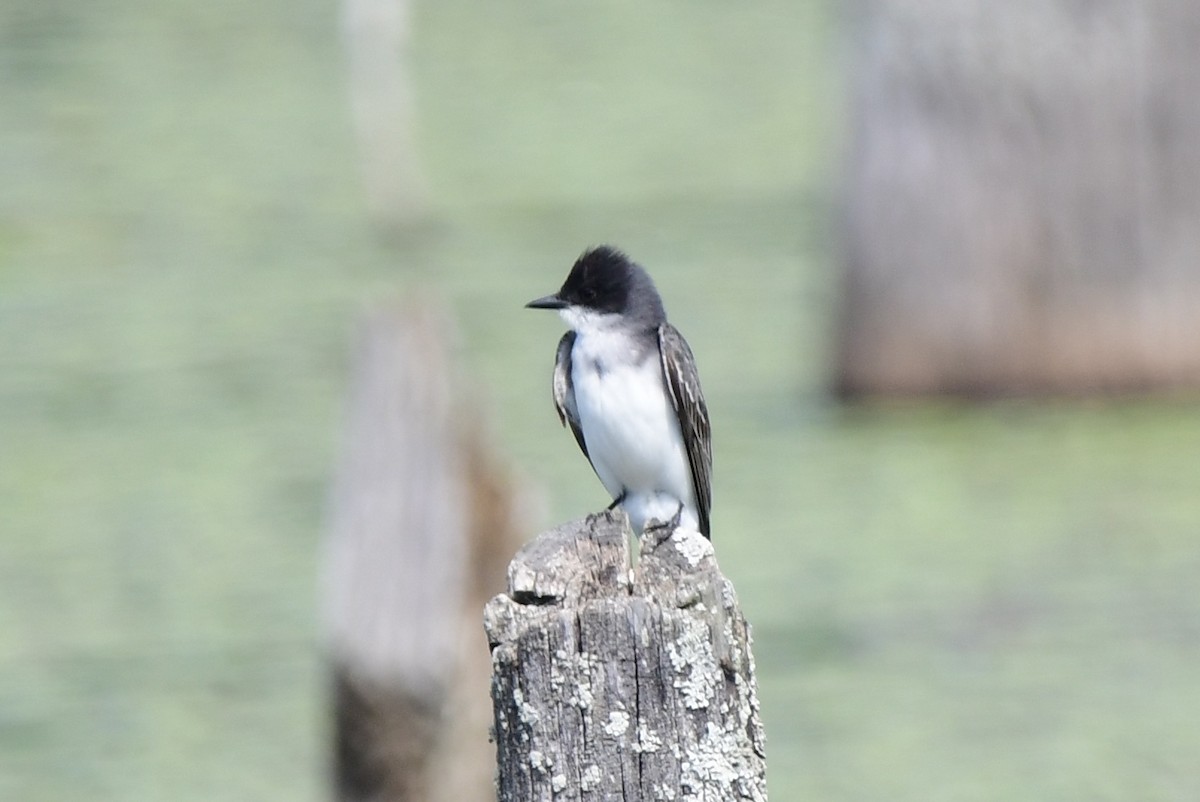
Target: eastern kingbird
{"x": 625, "y": 382}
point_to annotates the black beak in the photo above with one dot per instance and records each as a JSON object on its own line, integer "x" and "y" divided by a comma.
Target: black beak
{"x": 549, "y": 302}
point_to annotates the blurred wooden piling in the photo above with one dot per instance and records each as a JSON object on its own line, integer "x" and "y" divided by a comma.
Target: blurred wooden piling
{"x": 423, "y": 518}
{"x": 619, "y": 683}
{"x": 376, "y": 35}
{"x": 1022, "y": 187}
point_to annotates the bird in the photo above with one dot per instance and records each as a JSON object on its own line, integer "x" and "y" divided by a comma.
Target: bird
{"x": 625, "y": 382}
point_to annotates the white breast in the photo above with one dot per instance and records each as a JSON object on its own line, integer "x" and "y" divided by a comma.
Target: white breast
{"x": 630, "y": 427}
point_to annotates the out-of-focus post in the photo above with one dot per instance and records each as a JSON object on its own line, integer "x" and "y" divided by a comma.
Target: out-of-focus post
{"x": 423, "y": 518}
{"x": 1021, "y": 194}
{"x": 376, "y": 34}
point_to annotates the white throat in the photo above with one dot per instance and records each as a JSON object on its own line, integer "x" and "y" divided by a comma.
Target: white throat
{"x": 587, "y": 321}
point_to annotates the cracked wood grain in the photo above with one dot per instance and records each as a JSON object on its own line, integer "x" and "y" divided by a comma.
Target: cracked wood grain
{"x": 612, "y": 682}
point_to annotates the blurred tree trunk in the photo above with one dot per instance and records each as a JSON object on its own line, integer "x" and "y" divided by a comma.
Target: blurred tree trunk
{"x": 423, "y": 521}
{"x": 381, "y": 95}
{"x": 1022, "y": 210}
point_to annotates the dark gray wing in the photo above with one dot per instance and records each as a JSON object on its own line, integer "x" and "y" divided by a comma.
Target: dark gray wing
{"x": 564, "y": 391}
{"x": 683, "y": 384}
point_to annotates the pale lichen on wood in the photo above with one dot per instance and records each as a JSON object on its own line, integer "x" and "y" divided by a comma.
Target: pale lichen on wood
{"x": 619, "y": 683}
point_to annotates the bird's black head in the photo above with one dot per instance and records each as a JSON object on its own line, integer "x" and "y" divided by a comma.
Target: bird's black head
{"x": 605, "y": 280}
{"x": 600, "y": 279}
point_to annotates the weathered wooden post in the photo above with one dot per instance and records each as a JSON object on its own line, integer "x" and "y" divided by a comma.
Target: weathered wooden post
{"x": 612, "y": 682}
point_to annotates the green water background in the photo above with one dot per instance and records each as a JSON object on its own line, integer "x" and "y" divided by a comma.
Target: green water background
{"x": 950, "y": 602}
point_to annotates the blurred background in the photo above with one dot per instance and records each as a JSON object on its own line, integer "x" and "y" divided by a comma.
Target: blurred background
{"x": 937, "y": 262}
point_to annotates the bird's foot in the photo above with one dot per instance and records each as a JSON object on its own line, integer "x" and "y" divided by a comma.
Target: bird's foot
{"x": 668, "y": 526}
{"x": 677, "y": 518}
{"x": 616, "y": 502}
{"x": 655, "y": 525}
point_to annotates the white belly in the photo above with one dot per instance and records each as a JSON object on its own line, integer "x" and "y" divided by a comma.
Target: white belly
{"x": 632, "y": 436}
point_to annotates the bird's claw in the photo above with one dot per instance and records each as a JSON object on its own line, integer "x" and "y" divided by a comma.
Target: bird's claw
{"x": 677, "y": 518}
{"x": 615, "y": 502}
